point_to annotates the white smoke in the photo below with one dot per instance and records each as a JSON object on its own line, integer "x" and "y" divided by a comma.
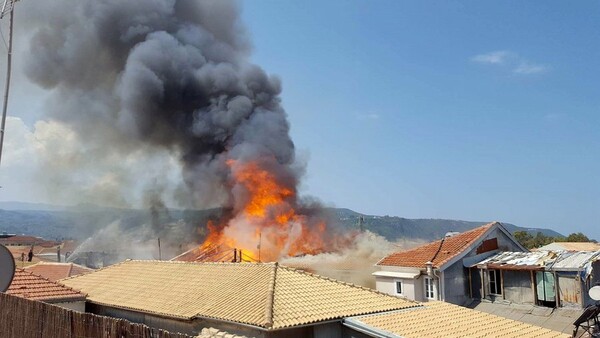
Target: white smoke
{"x": 355, "y": 263}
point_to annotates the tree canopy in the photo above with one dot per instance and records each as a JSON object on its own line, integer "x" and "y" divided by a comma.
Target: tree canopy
{"x": 530, "y": 241}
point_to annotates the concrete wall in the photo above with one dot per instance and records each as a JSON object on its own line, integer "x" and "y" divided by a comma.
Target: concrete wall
{"x": 75, "y": 306}
{"x": 517, "y": 287}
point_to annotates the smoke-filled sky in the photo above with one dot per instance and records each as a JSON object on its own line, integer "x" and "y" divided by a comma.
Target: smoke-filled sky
{"x": 478, "y": 111}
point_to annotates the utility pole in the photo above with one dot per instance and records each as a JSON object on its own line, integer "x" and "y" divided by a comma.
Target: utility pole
{"x": 7, "y": 8}
{"x": 259, "y": 244}
{"x": 159, "y": 252}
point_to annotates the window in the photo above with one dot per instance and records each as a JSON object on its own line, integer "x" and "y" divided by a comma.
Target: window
{"x": 399, "y": 287}
{"x": 429, "y": 294}
{"x": 495, "y": 282}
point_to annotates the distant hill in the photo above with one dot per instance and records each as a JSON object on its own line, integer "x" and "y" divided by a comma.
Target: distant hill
{"x": 393, "y": 227}
{"x": 12, "y": 205}
{"x": 56, "y": 222}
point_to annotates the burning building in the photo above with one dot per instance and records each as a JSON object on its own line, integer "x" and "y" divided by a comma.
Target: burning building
{"x": 140, "y": 82}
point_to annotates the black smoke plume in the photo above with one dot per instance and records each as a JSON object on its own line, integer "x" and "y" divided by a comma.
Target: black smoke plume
{"x": 140, "y": 78}
{"x": 144, "y": 75}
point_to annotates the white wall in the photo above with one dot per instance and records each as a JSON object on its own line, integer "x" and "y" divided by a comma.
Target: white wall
{"x": 388, "y": 285}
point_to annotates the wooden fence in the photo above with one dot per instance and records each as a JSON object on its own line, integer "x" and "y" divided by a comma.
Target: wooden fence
{"x": 23, "y": 318}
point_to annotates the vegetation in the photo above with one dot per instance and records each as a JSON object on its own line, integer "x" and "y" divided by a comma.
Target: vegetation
{"x": 84, "y": 220}
{"x": 539, "y": 239}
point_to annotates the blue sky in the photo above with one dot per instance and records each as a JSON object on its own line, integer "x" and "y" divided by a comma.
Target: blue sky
{"x": 465, "y": 110}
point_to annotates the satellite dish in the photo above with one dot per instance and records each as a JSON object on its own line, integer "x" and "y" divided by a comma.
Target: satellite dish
{"x": 595, "y": 292}
{"x": 7, "y": 268}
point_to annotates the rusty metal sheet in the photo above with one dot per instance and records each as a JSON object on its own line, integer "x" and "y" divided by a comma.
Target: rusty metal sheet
{"x": 570, "y": 291}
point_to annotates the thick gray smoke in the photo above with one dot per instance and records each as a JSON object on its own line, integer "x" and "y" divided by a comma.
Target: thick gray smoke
{"x": 143, "y": 76}
{"x": 140, "y": 87}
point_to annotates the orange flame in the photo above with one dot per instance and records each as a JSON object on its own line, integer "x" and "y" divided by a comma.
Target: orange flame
{"x": 266, "y": 224}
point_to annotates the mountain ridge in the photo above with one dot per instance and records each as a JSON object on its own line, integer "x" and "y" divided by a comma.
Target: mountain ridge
{"x": 55, "y": 222}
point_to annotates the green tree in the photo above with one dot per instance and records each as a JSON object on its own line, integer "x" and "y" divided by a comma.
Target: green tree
{"x": 524, "y": 238}
{"x": 529, "y": 241}
{"x": 577, "y": 237}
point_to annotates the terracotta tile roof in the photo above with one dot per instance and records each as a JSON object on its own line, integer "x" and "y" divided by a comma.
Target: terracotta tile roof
{"x": 440, "y": 319}
{"x": 55, "y": 271}
{"x": 27, "y": 285}
{"x": 450, "y": 247}
{"x": 265, "y": 295}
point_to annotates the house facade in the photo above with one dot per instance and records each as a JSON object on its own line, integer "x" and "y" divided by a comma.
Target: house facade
{"x": 555, "y": 279}
{"x": 438, "y": 270}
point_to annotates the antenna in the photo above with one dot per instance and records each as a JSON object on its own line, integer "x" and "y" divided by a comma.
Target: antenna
{"x": 259, "y": 244}
{"x": 7, "y": 8}
{"x": 159, "y": 252}
{"x": 7, "y": 268}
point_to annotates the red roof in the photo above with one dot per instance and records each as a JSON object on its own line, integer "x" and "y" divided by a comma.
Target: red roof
{"x": 27, "y": 240}
{"x": 438, "y": 252}
{"x": 30, "y": 286}
{"x": 56, "y": 271}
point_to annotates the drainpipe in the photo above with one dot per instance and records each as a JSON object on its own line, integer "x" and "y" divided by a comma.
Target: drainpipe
{"x": 434, "y": 277}
{"x": 439, "y": 287}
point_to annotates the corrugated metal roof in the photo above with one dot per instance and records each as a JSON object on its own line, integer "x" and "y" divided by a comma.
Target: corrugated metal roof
{"x": 550, "y": 260}
{"x": 537, "y": 258}
{"x": 574, "y": 260}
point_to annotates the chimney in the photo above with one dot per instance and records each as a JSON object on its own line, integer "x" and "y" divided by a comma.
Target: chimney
{"x": 429, "y": 266}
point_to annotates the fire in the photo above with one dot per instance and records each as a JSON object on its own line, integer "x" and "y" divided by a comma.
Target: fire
{"x": 266, "y": 224}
